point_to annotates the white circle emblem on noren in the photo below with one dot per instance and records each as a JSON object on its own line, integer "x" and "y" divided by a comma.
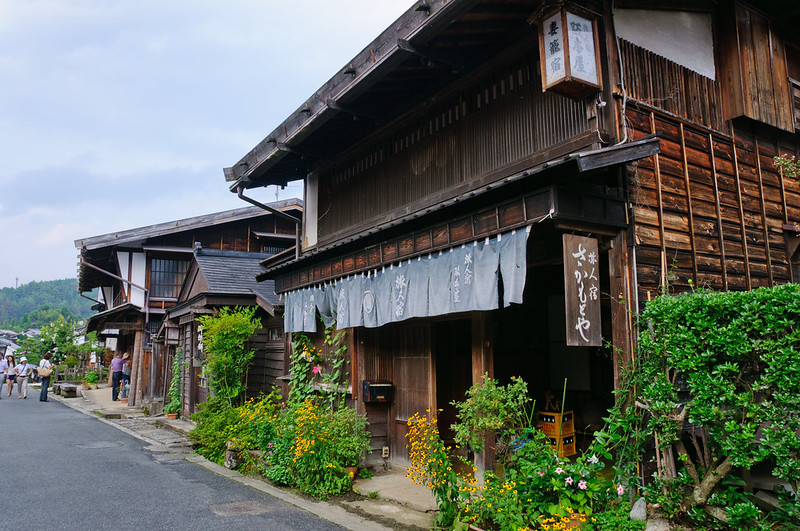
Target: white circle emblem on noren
{"x": 369, "y": 301}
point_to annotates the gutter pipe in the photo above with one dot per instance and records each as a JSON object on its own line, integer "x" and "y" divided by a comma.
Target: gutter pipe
{"x": 297, "y": 222}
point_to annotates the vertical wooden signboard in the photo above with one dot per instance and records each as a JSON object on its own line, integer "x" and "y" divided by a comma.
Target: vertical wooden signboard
{"x": 581, "y": 291}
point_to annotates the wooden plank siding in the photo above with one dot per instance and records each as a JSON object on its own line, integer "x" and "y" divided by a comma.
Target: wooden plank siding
{"x": 710, "y": 207}
{"x": 268, "y": 360}
{"x": 753, "y": 67}
{"x": 588, "y": 204}
{"x": 652, "y": 79}
{"x": 478, "y": 134}
{"x": 232, "y": 236}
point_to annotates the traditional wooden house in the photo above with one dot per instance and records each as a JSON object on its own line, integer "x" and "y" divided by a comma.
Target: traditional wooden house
{"x": 498, "y": 186}
{"x": 139, "y": 274}
{"x": 218, "y": 278}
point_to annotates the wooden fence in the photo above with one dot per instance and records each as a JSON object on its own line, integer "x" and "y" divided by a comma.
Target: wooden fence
{"x": 77, "y": 374}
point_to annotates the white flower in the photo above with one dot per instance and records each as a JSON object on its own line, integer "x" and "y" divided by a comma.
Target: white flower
{"x": 594, "y": 460}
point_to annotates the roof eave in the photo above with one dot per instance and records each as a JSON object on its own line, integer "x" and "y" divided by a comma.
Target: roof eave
{"x": 366, "y": 69}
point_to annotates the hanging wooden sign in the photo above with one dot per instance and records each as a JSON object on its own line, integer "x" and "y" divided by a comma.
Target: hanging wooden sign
{"x": 582, "y": 291}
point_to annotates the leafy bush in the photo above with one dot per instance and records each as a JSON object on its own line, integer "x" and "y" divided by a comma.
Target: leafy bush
{"x": 91, "y": 377}
{"x": 537, "y": 489}
{"x": 309, "y": 441}
{"x": 492, "y": 409}
{"x": 717, "y": 385}
{"x": 211, "y": 432}
{"x": 225, "y": 338}
{"x": 616, "y": 517}
{"x": 71, "y": 361}
{"x": 314, "y": 446}
{"x": 431, "y": 466}
{"x": 175, "y": 385}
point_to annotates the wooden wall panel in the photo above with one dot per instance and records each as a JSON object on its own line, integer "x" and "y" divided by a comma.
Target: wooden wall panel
{"x": 476, "y": 135}
{"x": 710, "y": 207}
{"x": 653, "y": 79}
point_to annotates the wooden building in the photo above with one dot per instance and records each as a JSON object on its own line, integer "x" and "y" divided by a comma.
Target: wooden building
{"x": 498, "y": 186}
{"x": 215, "y": 279}
{"x": 139, "y": 274}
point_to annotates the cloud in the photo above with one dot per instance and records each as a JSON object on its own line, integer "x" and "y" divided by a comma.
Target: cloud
{"x": 122, "y": 114}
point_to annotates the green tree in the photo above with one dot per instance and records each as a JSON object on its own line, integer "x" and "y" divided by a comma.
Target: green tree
{"x": 62, "y": 338}
{"x": 225, "y": 341}
{"x": 36, "y": 304}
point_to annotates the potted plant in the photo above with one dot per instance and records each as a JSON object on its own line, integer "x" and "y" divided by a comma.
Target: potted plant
{"x": 90, "y": 380}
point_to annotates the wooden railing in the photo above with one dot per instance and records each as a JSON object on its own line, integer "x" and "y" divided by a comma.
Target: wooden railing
{"x": 77, "y": 374}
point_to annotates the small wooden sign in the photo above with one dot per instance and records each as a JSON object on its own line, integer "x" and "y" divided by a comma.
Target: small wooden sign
{"x": 582, "y": 291}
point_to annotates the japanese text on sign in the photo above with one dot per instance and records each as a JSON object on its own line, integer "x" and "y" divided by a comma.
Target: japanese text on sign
{"x": 582, "y": 291}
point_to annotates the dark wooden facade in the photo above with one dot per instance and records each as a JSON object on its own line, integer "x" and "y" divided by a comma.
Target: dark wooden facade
{"x": 120, "y": 265}
{"x": 482, "y": 150}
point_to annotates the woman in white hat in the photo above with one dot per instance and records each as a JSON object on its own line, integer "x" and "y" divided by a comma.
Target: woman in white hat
{"x": 23, "y": 370}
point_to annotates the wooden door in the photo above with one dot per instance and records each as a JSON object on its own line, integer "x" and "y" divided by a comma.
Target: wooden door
{"x": 413, "y": 382}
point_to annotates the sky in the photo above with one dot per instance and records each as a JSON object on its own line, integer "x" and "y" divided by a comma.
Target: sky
{"x": 117, "y": 114}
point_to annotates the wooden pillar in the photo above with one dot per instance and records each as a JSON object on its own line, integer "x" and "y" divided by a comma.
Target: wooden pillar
{"x": 134, "y": 397}
{"x": 622, "y": 305}
{"x": 482, "y": 363}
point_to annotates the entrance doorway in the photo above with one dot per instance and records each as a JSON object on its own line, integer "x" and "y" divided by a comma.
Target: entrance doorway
{"x": 452, "y": 350}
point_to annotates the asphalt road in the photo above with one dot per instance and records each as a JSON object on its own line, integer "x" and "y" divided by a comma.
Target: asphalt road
{"x": 61, "y": 469}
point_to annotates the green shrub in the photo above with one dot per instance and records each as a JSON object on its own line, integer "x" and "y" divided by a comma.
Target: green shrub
{"x": 211, "y": 432}
{"x": 616, "y": 517}
{"x": 492, "y": 409}
{"x": 315, "y": 445}
{"x": 717, "y": 385}
{"x": 175, "y": 392}
{"x": 225, "y": 339}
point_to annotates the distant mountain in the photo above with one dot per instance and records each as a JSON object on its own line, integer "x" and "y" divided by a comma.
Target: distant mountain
{"x": 36, "y": 304}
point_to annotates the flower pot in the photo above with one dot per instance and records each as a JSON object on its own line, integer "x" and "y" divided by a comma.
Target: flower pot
{"x": 172, "y": 416}
{"x": 352, "y": 471}
{"x": 123, "y": 400}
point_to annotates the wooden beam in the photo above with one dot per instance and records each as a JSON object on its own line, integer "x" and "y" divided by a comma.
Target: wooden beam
{"x": 660, "y": 201}
{"x": 723, "y": 261}
{"x": 124, "y": 326}
{"x": 764, "y": 212}
{"x": 689, "y": 205}
{"x": 741, "y": 210}
{"x": 431, "y": 54}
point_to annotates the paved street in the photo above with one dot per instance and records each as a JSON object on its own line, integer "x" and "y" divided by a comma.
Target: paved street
{"x": 62, "y": 469}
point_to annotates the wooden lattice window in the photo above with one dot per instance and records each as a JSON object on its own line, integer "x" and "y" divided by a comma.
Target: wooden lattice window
{"x": 166, "y": 277}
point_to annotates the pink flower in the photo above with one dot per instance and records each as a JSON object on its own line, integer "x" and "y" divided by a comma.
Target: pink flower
{"x": 317, "y": 369}
{"x": 620, "y": 490}
{"x": 541, "y": 474}
{"x": 559, "y": 470}
{"x": 568, "y": 481}
{"x": 582, "y": 484}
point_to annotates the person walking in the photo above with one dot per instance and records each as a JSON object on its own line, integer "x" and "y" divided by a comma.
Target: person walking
{"x": 3, "y": 372}
{"x": 45, "y": 364}
{"x": 126, "y": 375}
{"x": 116, "y": 374}
{"x": 10, "y": 376}
{"x": 23, "y": 371}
